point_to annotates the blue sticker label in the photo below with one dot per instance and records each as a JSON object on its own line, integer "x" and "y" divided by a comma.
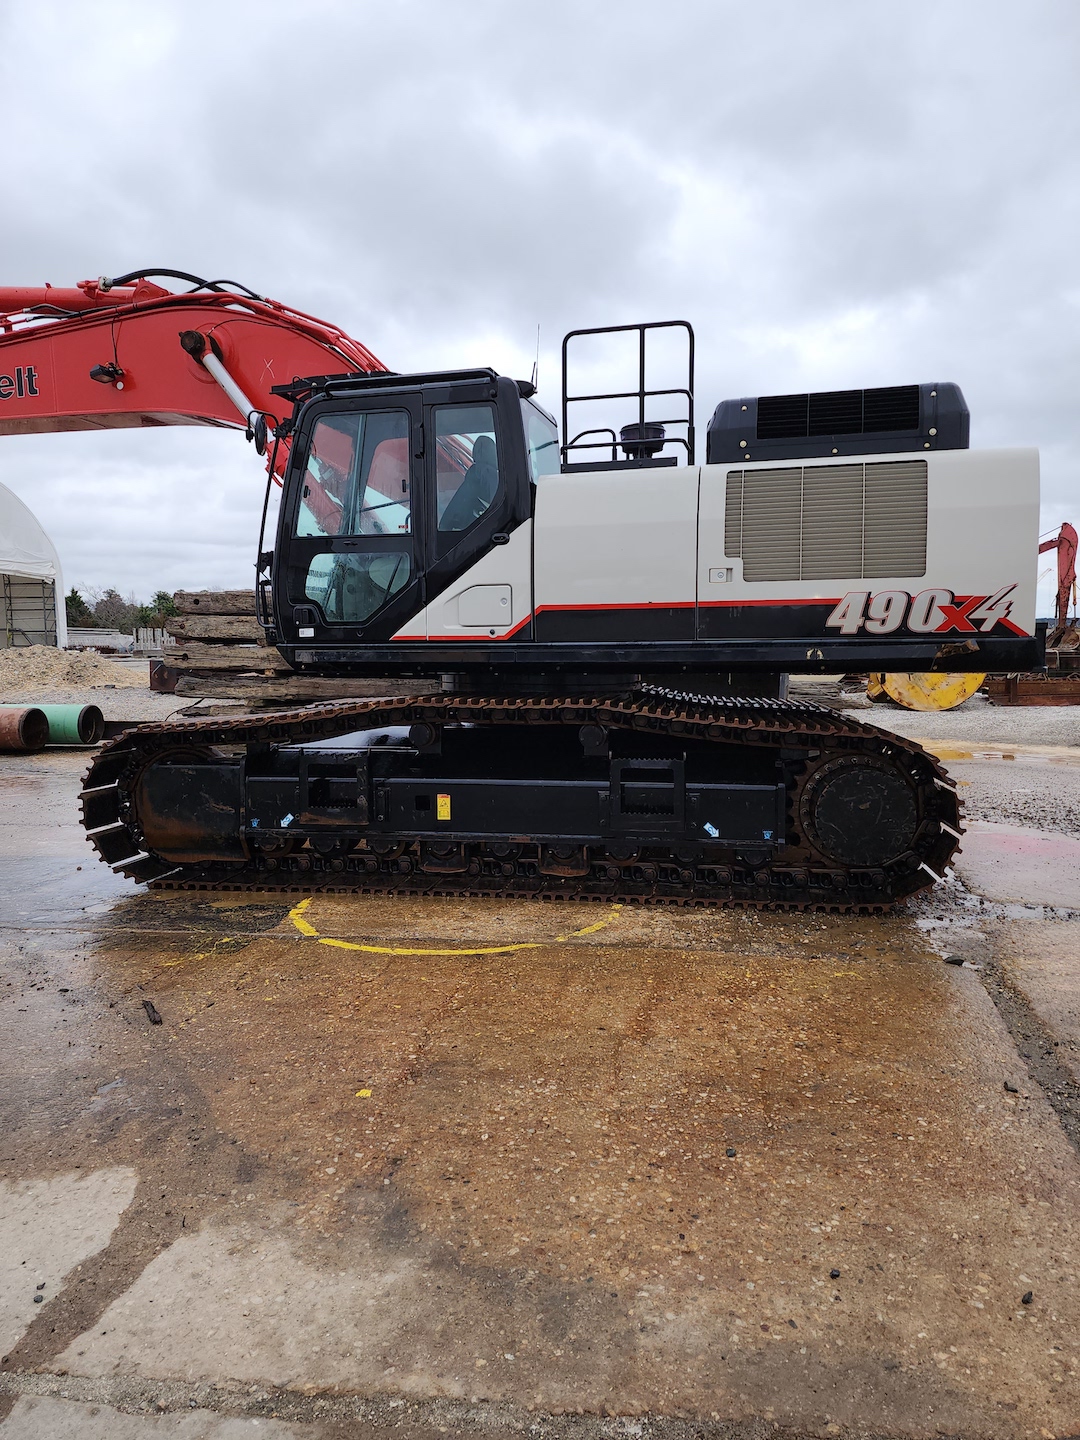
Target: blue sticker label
{"x": 711, "y": 830}
{"x": 287, "y": 820}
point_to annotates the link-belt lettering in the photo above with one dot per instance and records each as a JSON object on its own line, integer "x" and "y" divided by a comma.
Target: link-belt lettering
{"x": 21, "y": 384}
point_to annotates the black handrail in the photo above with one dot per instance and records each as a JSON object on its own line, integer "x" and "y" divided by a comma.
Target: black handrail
{"x": 641, "y": 394}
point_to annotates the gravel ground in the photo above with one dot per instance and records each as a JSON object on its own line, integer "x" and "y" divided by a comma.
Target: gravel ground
{"x": 977, "y": 721}
{"x": 40, "y": 675}
{"x": 1038, "y": 797}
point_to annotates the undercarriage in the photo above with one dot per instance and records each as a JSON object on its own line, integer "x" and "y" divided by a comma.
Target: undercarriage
{"x": 650, "y": 795}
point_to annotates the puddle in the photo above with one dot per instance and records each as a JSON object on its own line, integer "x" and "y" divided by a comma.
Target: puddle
{"x": 1030, "y": 754}
{"x": 45, "y": 892}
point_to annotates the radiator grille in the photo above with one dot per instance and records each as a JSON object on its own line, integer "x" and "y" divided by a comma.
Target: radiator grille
{"x": 828, "y": 522}
{"x": 838, "y": 412}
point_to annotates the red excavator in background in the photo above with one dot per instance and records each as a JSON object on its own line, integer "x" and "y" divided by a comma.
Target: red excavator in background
{"x": 589, "y": 630}
{"x": 1064, "y": 634}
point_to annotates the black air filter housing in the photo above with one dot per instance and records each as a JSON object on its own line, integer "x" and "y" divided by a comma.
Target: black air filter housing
{"x": 839, "y": 422}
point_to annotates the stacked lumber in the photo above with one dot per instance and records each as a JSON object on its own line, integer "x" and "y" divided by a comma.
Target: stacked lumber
{"x": 216, "y": 651}
{"x": 216, "y": 646}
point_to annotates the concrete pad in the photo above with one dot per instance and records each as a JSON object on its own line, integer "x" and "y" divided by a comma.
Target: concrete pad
{"x": 1009, "y": 863}
{"x": 28, "y": 785}
{"x": 42, "y": 1417}
{"x": 507, "y": 1177}
{"x": 50, "y": 871}
{"x": 265, "y": 1306}
{"x": 1041, "y": 958}
{"x": 47, "y": 1227}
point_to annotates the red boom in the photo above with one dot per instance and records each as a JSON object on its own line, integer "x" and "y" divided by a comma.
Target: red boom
{"x": 104, "y": 357}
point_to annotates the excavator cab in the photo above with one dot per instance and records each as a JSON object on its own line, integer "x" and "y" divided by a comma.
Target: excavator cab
{"x": 397, "y": 485}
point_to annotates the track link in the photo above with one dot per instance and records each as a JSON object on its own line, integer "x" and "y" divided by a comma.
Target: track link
{"x": 806, "y": 880}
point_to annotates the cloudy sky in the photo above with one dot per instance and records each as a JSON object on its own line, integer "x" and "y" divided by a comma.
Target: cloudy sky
{"x": 837, "y": 193}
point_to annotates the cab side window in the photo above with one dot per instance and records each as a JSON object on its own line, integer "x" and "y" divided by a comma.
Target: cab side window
{"x": 466, "y": 464}
{"x": 542, "y": 438}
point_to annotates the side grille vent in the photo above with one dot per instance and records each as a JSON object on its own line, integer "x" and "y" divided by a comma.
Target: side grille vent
{"x": 828, "y": 522}
{"x": 838, "y": 412}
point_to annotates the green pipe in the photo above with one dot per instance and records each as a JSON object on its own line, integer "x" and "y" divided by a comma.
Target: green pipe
{"x": 74, "y": 724}
{"x": 70, "y": 724}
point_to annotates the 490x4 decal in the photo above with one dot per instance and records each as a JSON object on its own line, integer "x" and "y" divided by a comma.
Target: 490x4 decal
{"x": 930, "y": 612}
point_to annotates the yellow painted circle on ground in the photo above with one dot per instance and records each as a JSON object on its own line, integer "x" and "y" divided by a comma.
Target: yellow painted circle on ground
{"x": 927, "y": 691}
{"x": 297, "y": 913}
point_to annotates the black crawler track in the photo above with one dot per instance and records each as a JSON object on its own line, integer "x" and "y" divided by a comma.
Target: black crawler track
{"x": 802, "y": 878}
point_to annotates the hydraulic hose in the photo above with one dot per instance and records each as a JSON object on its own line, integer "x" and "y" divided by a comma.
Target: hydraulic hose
{"x": 196, "y": 280}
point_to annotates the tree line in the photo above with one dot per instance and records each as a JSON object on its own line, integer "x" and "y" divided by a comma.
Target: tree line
{"x": 107, "y": 609}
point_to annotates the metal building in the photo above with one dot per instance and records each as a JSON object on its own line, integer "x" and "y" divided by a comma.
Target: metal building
{"x": 31, "y": 585}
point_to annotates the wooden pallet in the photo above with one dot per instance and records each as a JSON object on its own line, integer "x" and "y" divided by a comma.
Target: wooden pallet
{"x": 217, "y": 652}
{"x": 1062, "y": 689}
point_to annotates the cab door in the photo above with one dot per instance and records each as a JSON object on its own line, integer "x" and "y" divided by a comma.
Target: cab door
{"x": 479, "y": 580}
{"x": 355, "y": 569}
{"x": 469, "y": 497}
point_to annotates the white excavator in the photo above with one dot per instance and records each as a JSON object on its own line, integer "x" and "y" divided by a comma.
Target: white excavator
{"x": 597, "y": 622}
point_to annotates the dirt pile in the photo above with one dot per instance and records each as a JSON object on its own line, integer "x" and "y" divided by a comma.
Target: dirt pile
{"x": 40, "y": 666}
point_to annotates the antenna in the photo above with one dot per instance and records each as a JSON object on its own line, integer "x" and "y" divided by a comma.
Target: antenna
{"x": 536, "y": 362}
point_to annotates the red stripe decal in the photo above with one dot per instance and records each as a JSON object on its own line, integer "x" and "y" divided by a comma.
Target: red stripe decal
{"x": 667, "y": 605}
{"x": 504, "y": 636}
{"x": 632, "y": 605}
{"x": 714, "y": 604}
{"x": 1011, "y": 625}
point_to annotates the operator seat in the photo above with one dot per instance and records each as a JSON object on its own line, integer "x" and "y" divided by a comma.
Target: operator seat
{"x": 477, "y": 488}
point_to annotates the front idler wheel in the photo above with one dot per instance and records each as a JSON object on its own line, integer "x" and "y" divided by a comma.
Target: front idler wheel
{"x": 859, "y": 810}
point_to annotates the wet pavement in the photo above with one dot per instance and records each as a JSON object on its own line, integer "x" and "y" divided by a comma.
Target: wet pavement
{"x": 433, "y": 1166}
{"x": 1012, "y": 862}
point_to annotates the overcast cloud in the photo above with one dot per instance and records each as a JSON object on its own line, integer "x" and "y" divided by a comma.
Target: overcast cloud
{"x": 835, "y": 194}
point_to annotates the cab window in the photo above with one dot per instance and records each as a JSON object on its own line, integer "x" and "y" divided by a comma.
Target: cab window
{"x": 356, "y": 480}
{"x": 466, "y": 464}
{"x": 351, "y": 587}
{"x": 542, "y": 439}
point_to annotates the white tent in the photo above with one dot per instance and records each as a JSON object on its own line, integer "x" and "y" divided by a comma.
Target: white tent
{"x": 31, "y": 585}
